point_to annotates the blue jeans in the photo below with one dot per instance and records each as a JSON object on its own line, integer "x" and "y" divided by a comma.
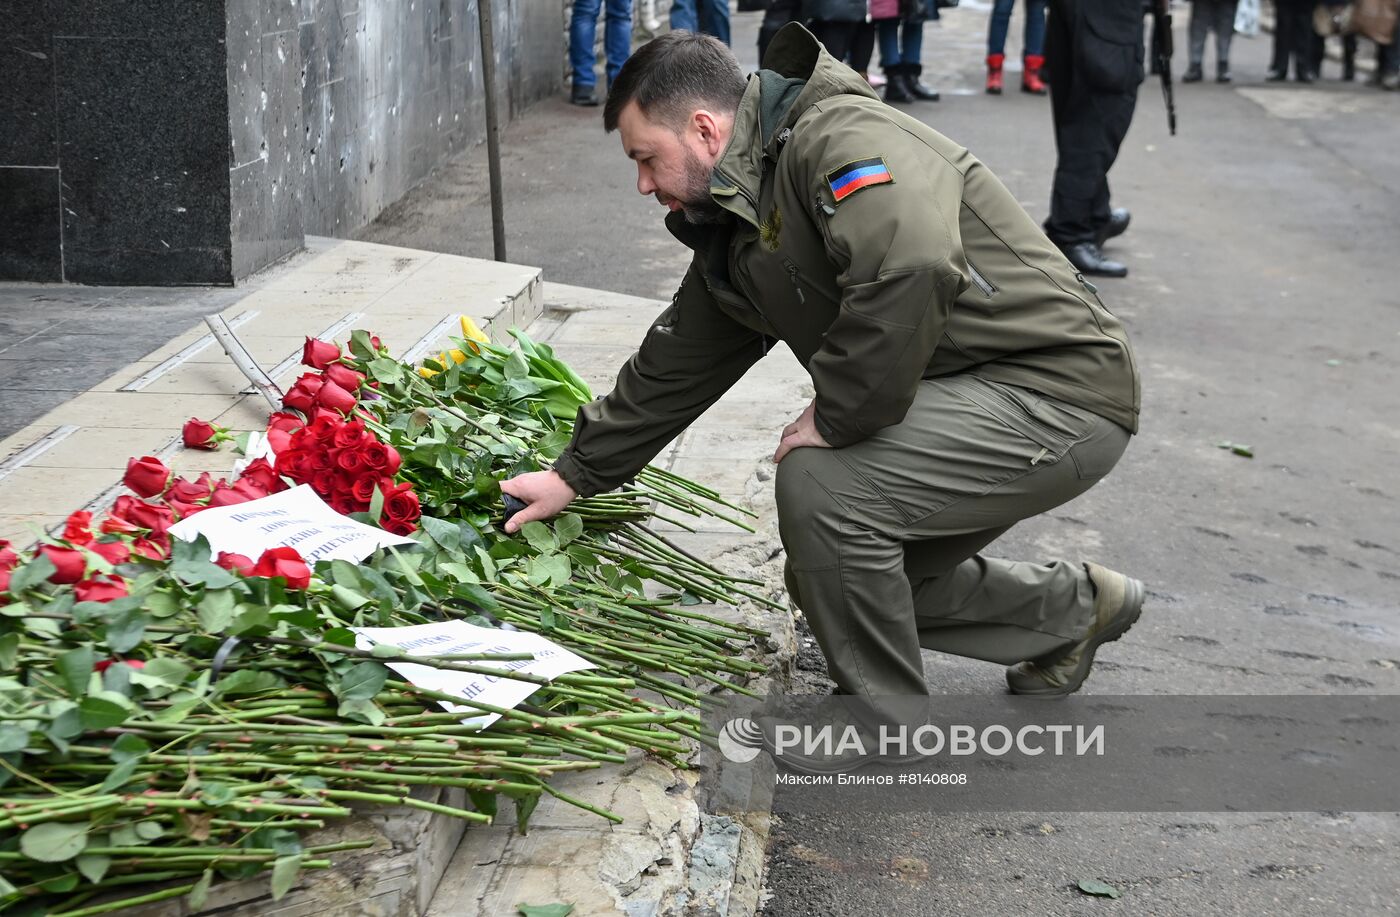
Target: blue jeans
{"x": 894, "y": 51}
{"x": 708, "y": 16}
{"x": 617, "y": 38}
{"x": 1001, "y": 24}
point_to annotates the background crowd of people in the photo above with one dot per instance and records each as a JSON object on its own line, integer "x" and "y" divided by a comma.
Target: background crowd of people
{"x": 853, "y": 30}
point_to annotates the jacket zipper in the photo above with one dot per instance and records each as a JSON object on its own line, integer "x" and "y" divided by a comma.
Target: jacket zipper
{"x": 796, "y": 283}
{"x": 982, "y": 283}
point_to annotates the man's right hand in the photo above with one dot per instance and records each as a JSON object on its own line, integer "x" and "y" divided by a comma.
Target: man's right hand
{"x": 544, "y": 493}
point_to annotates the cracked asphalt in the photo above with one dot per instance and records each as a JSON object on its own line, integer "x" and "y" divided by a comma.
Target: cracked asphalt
{"x": 1265, "y": 310}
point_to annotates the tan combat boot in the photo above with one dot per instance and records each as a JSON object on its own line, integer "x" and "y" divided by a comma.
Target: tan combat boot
{"x": 1117, "y": 604}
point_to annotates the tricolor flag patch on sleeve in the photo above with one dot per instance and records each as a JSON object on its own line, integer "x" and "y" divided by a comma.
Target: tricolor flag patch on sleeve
{"x": 853, "y": 176}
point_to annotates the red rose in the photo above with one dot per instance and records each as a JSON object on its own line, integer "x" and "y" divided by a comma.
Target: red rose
{"x": 400, "y": 527}
{"x": 237, "y": 563}
{"x": 344, "y": 376}
{"x": 113, "y": 525}
{"x": 70, "y": 564}
{"x": 383, "y": 458}
{"x": 335, "y": 398}
{"x": 78, "y": 530}
{"x": 320, "y": 413}
{"x": 200, "y": 434}
{"x": 100, "y": 589}
{"x": 349, "y": 460}
{"x": 343, "y": 505}
{"x": 377, "y": 344}
{"x": 280, "y": 427}
{"x": 191, "y": 491}
{"x": 106, "y": 664}
{"x": 143, "y": 515}
{"x": 325, "y": 483}
{"x": 8, "y": 558}
{"x": 286, "y": 563}
{"x": 302, "y": 394}
{"x": 185, "y": 510}
{"x": 4, "y": 581}
{"x": 250, "y": 488}
{"x": 319, "y": 354}
{"x": 364, "y": 488}
{"x": 400, "y": 502}
{"x": 114, "y": 552}
{"x": 322, "y": 461}
{"x": 225, "y": 495}
{"x": 146, "y": 476}
{"x": 349, "y": 434}
{"x": 261, "y": 473}
{"x": 157, "y": 547}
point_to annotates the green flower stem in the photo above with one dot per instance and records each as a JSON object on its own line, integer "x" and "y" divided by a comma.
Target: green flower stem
{"x": 404, "y": 800}
{"x": 163, "y": 895}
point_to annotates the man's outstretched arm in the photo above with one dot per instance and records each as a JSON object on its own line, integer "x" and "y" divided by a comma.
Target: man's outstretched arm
{"x": 691, "y": 356}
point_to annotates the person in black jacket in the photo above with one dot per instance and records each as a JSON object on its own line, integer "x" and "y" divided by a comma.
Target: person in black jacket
{"x": 1095, "y": 55}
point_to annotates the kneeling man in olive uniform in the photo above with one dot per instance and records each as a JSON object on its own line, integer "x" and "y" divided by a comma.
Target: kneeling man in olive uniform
{"x": 966, "y": 376}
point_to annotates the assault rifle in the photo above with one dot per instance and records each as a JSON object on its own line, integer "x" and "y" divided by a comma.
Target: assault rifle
{"x": 1162, "y": 55}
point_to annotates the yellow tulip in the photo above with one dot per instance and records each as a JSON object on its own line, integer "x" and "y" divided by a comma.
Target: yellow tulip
{"x": 472, "y": 333}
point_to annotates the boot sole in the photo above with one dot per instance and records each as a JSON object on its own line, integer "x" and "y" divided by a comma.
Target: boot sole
{"x": 1134, "y": 595}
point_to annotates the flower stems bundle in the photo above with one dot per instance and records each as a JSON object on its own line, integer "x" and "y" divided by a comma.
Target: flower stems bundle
{"x": 174, "y": 715}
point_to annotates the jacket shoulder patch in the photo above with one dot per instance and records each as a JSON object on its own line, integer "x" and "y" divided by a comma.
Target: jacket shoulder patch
{"x": 854, "y": 176}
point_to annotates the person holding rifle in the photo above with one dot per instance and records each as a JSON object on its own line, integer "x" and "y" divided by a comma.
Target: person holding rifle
{"x": 1095, "y": 60}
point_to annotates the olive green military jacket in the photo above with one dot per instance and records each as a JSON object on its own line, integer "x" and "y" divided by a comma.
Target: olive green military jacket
{"x": 880, "y": 251}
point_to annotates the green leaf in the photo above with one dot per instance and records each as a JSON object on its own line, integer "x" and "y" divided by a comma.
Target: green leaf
{"x": 6, "y": 890}
{"x": 161, "y": 673}
{"x": 385, "y": 651}
{"x": 163, "y": 604}
{"x": 215, "y": 612}
{"x": 9, "y": 651}
{"x": 61, "y": 884}
{"x": 99, "y": 713}
{"x": 347, "y": 598}
{"x": 149, "y": 830}
{"x": 524, "y": 808}
{"x": 125, "y": 836}
{"x": 545, "y": 910}
{"x": 13, "y": 738}
{"x": 75, "y": 667}
{"x": 54, "y": 841}
{"x": 447, "y": 535}
{"x": 128, "y": 746}
{"x": 125, "y": 630}
{"x": 31, "y": 574}
{"x": 248, "y": 681}
{"x": 386, "y": 370}
{"x": 93, "y": 867}
{"x": 1097, "y": 889}
{"x": 120, "y": 775}
{"x": 363, "y": 681}
{"x": 488, "y": 566}
{"x": 284, "y": 875}
{"x": 200, "y": 893}
{"x": 558, "y": 567}
{"x": 214, "y": 793}
{"x": 361, "y": 711}
{"x": 568, "y": 527}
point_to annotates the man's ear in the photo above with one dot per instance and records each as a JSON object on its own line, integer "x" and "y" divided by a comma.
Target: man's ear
{"x": 711, "y": 130}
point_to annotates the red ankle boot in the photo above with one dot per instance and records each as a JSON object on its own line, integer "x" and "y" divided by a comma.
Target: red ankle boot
{"x": 1030, "y": 75}
{"x": 994, "y": 62}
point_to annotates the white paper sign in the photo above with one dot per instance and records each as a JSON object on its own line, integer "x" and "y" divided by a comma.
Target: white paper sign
{"x": 295, "y": 518}
{"x": 450, "y": 638}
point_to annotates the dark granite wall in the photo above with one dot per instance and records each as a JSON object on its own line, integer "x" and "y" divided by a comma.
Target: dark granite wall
{"x": 195, "y": 141}
{"x": 112, "y": 127}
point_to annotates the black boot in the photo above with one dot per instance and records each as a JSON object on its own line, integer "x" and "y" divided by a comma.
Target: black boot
{"x": 1193, "y": 74}
{"x": 897, "y": 85}
{"x": 918, "y": 89}
{"x": 1089, "y": 259}
{"x": 1222, "y": 71}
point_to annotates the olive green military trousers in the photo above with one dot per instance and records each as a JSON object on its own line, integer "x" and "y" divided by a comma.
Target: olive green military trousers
{"x": 883, "y": 536}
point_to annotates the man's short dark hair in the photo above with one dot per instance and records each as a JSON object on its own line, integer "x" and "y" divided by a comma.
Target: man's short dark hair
{"x": 672, "y": 76}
